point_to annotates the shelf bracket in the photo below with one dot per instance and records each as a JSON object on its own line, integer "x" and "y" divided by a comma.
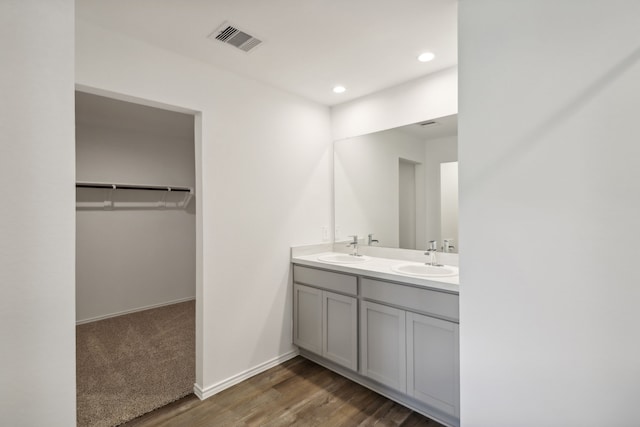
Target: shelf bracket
{"x": 108, "y": 202}
{"x": 162, "y": 204}
{"x": 187, "y": 198}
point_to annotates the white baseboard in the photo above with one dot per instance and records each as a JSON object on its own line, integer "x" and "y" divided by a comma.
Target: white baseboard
{"x": 206, "y": 392}
{"x": 134, "y": 310}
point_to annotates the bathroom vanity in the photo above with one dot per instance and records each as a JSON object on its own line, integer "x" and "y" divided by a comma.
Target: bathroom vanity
{"x": 394, "y": 333}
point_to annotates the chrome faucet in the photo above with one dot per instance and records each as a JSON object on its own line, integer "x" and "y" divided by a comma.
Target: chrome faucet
{"x": 354, "y": 243}
{"x": 433, "y": 249}
{"x": 371, "y": 240}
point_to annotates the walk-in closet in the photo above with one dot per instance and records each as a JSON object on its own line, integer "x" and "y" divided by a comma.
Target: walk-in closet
{"x": 135, "y": 258}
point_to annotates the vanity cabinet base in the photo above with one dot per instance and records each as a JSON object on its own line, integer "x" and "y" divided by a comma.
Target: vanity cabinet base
{"x": 403, "y": 399}
{"x": 396, "y": 339}
{"x": 326, "y": 323}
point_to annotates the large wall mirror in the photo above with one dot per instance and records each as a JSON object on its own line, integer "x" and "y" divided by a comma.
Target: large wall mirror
{"x": 401, "y": 185}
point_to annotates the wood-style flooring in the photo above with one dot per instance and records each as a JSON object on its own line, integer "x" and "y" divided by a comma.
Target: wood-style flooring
{"x": 295, "y": 393}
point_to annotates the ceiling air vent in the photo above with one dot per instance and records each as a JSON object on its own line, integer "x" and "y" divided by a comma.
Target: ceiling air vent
{"x": 230, "y": 34}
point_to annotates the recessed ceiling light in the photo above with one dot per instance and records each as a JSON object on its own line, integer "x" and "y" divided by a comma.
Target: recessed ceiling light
{"x": 339, "y": 89}
{"x": 426, "y": 57}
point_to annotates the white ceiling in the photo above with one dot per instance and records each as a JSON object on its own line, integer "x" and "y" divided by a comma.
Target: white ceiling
{"x": 309, "y": 45}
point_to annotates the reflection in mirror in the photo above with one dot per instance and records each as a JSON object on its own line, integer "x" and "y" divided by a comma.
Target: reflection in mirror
{"x": 401, "y": 185}
{"x": 449, "y": 206}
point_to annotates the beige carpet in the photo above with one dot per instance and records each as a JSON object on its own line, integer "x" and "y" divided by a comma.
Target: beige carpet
{"x": 131, "y": 364}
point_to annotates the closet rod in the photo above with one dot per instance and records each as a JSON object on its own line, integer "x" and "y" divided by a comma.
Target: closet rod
{"x": 132, "y": 187}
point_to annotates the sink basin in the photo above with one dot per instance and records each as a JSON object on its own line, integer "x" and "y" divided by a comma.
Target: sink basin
{"x": 423, "y": 270}
{"x": 343, "y": 258}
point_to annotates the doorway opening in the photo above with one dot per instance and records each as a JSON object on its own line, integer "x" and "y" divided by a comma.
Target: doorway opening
{"x": 136, "y": 257}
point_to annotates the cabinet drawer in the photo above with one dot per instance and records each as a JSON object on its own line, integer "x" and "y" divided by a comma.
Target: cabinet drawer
{"x": 337, "y": 282}
{"x": 440, "y": 304}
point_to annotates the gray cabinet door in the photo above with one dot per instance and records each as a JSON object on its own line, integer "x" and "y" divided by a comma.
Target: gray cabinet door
{"x": 432, "y": 362}
{"x": 340, "y": 329}
{"x": 307, "y": 318}
{"x": 383, "y": 345}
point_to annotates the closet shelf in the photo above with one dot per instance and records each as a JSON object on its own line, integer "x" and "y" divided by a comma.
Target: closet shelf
{"x": 171, "y": 196}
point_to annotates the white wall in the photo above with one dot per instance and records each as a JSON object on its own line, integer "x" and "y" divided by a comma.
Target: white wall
{"x": 264, "y": 179}
{"x": 549, "y": 208}
{"x": 367, "y": 181}
{"x": 37, "y": 328}
{"x": 429, "y": 97}
{"x": 134, "y": 258}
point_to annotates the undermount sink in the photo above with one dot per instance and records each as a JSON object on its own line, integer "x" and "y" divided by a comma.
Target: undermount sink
{"x": 424, "y": 270}
{"x": 343, "y": 258}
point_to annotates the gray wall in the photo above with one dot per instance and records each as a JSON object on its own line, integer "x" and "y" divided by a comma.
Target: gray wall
{"x": 132, "y": 259}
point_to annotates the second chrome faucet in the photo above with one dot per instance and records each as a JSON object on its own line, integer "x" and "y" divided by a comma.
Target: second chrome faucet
{"x": 354, "y": 243}
{"x": 433, "y": 249}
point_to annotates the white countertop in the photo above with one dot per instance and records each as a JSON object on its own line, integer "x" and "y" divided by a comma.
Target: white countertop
{"x": 380, "y": 268}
